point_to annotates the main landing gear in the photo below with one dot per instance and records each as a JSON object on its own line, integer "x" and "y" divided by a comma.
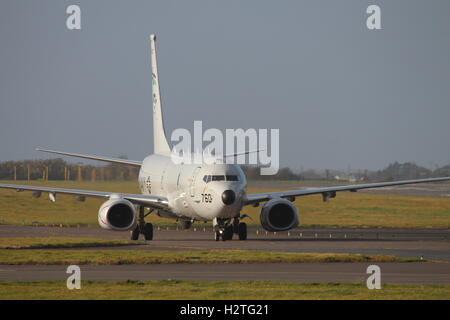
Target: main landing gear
{"x": 142, "y": 227}
{"x": 224, "y": 229}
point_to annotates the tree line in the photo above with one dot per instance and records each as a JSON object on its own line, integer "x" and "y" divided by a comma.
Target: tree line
{"x": 392, "y": 172}
{"x": 59, "y": 169}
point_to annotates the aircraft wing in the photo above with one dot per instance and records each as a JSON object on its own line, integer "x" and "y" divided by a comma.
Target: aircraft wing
{"x": 133, "y": 163}
{"x": 329, "y": 192}
{"x": 139, "y": 199}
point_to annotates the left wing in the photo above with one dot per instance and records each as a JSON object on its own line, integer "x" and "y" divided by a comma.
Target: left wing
{"x": 140, "y": 199}
{"x": 329, "y": 192}
{"x": 133, "y": 163}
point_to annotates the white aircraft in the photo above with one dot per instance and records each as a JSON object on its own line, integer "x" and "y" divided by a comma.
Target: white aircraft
{"x": 191, "y": 192}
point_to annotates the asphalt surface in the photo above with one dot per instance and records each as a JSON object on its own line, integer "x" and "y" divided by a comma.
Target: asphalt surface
{"x": 414, "y": 273}
{"x": 431, "y": 244}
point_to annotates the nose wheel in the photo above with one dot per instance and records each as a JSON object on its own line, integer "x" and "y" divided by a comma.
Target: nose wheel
{"x": 225, "y": 233}
{"x": 224, "y": 230}
{"x": 217, "y": 235}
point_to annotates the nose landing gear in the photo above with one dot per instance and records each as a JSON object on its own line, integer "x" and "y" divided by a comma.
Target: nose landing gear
{"x": 224, "y": 229}
{"x": 142, "y": 227}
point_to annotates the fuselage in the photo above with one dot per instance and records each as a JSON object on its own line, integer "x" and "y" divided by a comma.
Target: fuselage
{"x": 199, "y": 192}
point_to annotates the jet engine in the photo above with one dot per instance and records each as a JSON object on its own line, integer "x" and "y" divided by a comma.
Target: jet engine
{"x": 279, "y": 215}
{"x": 117, "y": 214}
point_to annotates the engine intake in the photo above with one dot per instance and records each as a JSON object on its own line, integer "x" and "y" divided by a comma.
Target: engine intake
{"x": 117, "y": 214}
{"x": 279, "y": 215}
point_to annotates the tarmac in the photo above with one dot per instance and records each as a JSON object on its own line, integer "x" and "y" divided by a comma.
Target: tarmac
{"x": 412, "y": 273}
{"x": 430, "y": 244}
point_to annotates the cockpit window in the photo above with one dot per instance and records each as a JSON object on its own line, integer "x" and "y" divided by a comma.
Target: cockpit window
{"x": 228, "y": 177}
{"x": 232, "y": 177}
{"x": 218, "y": 178}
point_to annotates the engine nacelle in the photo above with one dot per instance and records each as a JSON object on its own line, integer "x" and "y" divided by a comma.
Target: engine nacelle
{"x": 279, "y": 215}
{"x": 117, "y": 214}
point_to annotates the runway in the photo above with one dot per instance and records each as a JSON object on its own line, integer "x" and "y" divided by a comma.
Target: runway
{"x": 419, "y": 273}
{"x": 430, "y": 244}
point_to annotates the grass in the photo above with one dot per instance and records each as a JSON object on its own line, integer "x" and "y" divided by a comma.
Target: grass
{"x": 120, "y": 257}
{"x": 47, "y": 243}
{"x": 347, "y": 210}
{"x": 235, "y": 290}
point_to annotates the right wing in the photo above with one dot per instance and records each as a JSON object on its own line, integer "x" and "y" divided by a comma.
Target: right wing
{"x": 91, "y": 157}
{"x": 139, "y": 199}
{"x": 329, "y": 192}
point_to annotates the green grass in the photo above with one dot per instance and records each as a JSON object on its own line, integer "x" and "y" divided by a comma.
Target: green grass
{"x": 347, "y": 210}
{"x": 235, "y": 290}
{"x": 119, "y": 257}
{"x": 41, "y": 243}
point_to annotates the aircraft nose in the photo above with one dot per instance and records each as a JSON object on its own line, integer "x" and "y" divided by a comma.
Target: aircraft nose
{"x": 228, "y": 197}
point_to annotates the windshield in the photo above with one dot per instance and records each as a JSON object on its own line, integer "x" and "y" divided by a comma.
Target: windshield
{"x": 228, "y": 177}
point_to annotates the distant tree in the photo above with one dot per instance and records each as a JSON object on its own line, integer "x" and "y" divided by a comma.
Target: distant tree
{"x": 401, "y": 171}
{"x": 442, "y": 172}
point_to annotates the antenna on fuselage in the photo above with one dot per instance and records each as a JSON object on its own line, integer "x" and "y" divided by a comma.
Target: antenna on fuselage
{"x": 160, "y": 144}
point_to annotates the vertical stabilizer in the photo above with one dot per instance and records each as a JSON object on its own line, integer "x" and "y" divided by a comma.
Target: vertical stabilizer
{"x": 159, "y": 137}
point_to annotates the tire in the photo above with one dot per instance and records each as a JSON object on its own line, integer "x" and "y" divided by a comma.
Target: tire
{"x": 242, "y": 231}
{"x": 186, "y": 224}
{"x": 135, "y": 234}
{"x": 228, "y": 233}
{"x": 148, "y": 231}
{"x": 236, "y": 227}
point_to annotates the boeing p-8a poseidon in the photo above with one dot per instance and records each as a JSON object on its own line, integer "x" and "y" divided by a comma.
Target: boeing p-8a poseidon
{"x": 177, "y": 191}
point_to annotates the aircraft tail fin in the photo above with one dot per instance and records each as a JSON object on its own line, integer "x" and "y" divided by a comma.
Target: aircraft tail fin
{"x": 160, "y": 144}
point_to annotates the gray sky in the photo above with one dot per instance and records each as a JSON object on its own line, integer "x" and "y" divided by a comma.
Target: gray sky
{"x": 340, "y": 94}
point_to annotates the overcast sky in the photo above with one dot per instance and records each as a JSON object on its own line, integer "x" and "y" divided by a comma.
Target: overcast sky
{"x": 341, "y": 95}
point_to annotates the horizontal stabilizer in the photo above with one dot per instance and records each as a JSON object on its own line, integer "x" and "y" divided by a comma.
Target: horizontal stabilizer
{"x": 242, "y": 153}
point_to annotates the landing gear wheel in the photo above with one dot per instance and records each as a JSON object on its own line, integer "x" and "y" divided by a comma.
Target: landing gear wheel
{"x": 186, "y": 224}
{"x": 135, "y": 233}
{"x": 242, "y": 231}
{"x": 148, "y": 231}
{"x": 228, "y": 233}
{"x": 236, "y": 226}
